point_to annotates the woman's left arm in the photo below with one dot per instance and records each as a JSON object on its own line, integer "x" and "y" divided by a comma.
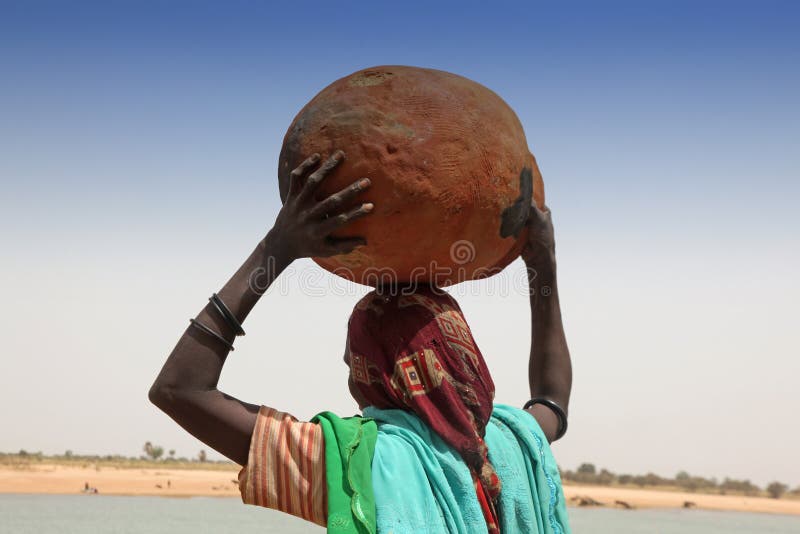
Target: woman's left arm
{"x": 550, "y": 366}
{"x": 186, "y": 387}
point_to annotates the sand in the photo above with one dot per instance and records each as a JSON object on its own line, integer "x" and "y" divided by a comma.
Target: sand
{"x": 652, "y": 498}
{"x": 57, "y": 479}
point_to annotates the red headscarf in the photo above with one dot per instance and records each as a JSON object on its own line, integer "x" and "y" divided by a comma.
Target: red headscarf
{"x": 415, "y": 352}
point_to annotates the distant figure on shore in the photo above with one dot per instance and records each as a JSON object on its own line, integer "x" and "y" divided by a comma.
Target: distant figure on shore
{"x": 89, "y": 489}
{"x": 432, "y": 453}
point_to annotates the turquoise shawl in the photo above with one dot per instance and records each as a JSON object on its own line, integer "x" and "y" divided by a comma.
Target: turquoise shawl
{"x": 421, "y": 484}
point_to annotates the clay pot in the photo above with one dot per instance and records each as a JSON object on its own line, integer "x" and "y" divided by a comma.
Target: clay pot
{"x": 452, "y": 176}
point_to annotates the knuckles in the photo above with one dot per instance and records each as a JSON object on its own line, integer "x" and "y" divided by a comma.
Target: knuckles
{"x": 334, "y": 201}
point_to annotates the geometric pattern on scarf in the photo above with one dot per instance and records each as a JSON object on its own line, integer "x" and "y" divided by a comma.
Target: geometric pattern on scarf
{"x": 416, "y": 352}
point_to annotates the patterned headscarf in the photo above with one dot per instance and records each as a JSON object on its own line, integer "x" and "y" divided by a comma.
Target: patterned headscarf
{"x": 415, "y": 352}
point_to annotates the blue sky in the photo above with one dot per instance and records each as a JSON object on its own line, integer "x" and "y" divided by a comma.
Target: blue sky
{"x": 139, "y": 147}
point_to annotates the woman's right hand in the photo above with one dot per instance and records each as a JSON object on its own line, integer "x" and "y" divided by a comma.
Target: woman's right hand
{"x": 304, "y": 225}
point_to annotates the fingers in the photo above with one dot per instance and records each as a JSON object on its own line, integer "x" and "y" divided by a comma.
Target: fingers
{"x": 538, "y": 214}
{"x": 535, "y": 206}
{"x": 331, "y": 224}
{"x": 333, "y": 203}
{"x": 317, "y": 176}
{"x": 344, "y": 245}
{"x": 297, "y": 175}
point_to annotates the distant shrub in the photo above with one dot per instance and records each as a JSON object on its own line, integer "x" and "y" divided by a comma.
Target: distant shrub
{"x": 777, "y": 489}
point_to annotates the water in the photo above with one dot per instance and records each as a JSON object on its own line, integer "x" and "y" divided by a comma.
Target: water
{"x": 678, "y": 521}
{"x": 82, "y": 514}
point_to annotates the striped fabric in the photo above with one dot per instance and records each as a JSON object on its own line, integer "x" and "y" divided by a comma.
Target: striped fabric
{"x": 286, "y": 467}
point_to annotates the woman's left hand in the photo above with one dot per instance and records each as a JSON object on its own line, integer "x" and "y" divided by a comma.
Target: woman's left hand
{"x": 541, "y": 244}
{"x": 304, "y": 225}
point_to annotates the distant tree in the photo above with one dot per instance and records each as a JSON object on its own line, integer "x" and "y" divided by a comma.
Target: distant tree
{"x": 172, "y": 454}
{"x": 652, "y": 479}
{"x": 153, "y": 451}
{"x": 606, "y": 477}
{"x": 776, "y": 490}
{"x": 695, "y": 483}
{"x": 68, "y": 453}
{"x": 587, "y": 469}
{"x": 201, "y": 456}
{"x": 625, "y": 479}
{"x": 682, "y": 476}
{"x": 739, "y": 486}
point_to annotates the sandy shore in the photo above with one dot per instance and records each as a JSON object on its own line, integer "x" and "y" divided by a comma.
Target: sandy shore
{"x": 57, "y": 479}
{"x": 647, "y": 498}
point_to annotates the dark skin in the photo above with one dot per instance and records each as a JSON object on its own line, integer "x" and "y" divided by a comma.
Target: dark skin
{"x": 186, "y": 388}
{"x": 549, "y": 367}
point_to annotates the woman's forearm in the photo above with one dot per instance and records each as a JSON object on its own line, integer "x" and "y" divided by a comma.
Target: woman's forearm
{"x": 196, "y": 361}
{"x": 549, "y": 368}
{"x": 186, "y": 387}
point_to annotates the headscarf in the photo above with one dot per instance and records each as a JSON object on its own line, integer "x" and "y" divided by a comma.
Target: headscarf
{"x": 416, "y": 352}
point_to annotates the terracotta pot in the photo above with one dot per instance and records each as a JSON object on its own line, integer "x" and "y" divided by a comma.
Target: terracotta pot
{"x": 452, "y": 176}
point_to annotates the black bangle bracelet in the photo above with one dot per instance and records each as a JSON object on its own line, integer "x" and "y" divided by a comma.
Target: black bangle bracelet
{"x": 562, "y": 417}
{"x": 203, "y": 328}
{"x": 227, "y": 314}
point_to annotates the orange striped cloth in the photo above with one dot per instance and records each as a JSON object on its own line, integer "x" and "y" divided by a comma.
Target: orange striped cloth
{"x": 286, "y": 467}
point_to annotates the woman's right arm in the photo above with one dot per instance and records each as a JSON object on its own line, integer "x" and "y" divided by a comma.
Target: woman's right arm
{"x": 186, "y": 388}
{"x": 549, "y": 368}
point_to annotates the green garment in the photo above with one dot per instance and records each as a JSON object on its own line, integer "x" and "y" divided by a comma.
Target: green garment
{"x": 349, "y": 447}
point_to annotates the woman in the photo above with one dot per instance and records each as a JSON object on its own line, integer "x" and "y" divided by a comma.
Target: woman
{"x": 432, "y": 454}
